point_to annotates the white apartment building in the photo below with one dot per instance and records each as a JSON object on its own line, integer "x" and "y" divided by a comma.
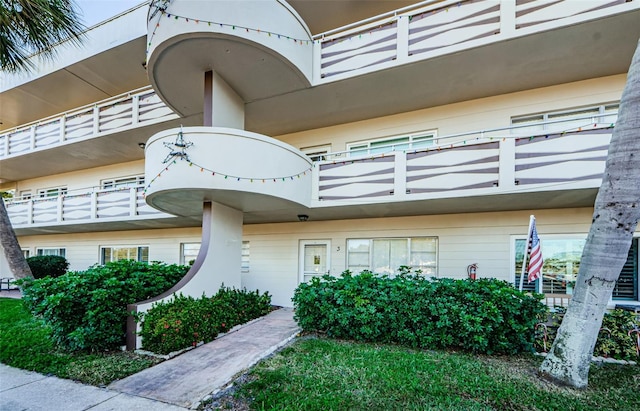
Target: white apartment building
{"x": 311, "y": 137}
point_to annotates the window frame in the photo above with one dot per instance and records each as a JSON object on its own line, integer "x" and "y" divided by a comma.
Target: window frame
{"x": 122, "y": 182}
{"x": 427, "y": 270}
{"x": 139, "y": 252}
{"x": 364, "y": 147}
{"x": 61, "y": 251}
{"x": 545, "y": 121}
{"x": 183, "y": 259}
{"x": 52, "y": 192}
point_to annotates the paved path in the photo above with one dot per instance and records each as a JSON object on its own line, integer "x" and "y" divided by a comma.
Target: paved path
{"x": 173, "y": 385}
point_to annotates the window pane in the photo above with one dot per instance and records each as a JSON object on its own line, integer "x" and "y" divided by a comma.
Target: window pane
{"x": 561, "y": 264}
{"x": 143, "y": 254}
{"x": 526, "y": 285}
{"x": 189, "y": 253}
{"x": 245, "y": 264}
{"x": 423, "y": 255}
{"x": 389, "y": 255}
{"x": 357, "y": 255}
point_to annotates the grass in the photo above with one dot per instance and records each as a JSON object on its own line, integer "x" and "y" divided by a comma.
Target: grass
{"x": 321, "y": 374}
{"x": 25, "y": 343}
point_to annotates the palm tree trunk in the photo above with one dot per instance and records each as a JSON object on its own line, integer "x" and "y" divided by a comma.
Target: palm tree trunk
{"x": 615, "y": 217}
{"x": 12, "y": 251}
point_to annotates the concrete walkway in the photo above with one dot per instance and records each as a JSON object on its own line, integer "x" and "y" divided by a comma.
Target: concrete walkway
{"x": 176, "y": 384}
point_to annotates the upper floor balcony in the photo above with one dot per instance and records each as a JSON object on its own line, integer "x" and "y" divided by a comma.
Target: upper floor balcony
{"x": 52, "y": 141}
{"x": 92, "y": 209}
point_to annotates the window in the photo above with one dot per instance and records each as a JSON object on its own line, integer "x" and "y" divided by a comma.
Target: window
{"x": 561, "y": 265}
{"x": 25, "y": 195}
{"x": 52, "y": 192}
{"x": 109, "y": 254}
{"x": 317, "y": 153}
{"x": 189, "y": 253}
{"x": 396, "y": 143}
{"x": 245, "y": 257}
{"x": 386, "y": 255}
{"x": 51, "y": 251}
{"x": 26, "y": 253}
{"x": 567, "y": 119}
{"x": 123, "y": 182}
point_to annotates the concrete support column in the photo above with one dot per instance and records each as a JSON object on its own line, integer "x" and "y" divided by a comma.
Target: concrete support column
{"x": 223, "y": 107}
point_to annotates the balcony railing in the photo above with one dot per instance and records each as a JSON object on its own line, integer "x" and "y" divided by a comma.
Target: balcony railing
{"x": 433, "y": 28}
{"x": 541, "y": 157}
{"x": 135, "y": 109}
{"x": 116, "y": 204}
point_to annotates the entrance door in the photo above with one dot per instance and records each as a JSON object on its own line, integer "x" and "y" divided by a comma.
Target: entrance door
{"x": 314, "y": 259}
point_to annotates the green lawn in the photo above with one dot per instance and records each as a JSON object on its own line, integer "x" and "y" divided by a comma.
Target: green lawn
{"x": 25, "y": 343}
{"x": 321, "y": 374}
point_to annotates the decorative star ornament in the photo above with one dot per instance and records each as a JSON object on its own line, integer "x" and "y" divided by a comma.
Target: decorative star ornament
{"x": 178, "y": 148}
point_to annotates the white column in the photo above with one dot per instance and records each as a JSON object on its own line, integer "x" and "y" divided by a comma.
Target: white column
{"x": 222, "y": 105}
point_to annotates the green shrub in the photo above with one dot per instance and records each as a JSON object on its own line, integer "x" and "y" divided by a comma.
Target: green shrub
{"x": 613, "y": 340}
{"x": 47, "y": 265}
{"x": 483, "y": 316}
{"x": 87, "y": 310}
{"x": 184, "y": 321}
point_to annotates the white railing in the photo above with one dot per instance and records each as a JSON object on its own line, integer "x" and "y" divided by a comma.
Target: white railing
{"x": 115, "y": 204}
{"x": 135, "y": 109}
{"x": 552, "y": 155}
{"x": 437, "y": 27}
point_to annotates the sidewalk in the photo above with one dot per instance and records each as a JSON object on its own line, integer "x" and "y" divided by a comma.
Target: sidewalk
{"x": 176, "y": 384}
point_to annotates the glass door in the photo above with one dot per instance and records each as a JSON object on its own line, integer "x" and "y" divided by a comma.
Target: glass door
{"x": 314, "y": 259}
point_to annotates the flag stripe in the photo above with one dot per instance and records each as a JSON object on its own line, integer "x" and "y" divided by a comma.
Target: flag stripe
{"x": 535, "y": 254}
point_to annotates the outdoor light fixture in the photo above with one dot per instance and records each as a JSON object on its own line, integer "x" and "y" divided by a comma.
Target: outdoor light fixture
{"x": 303, "y": 217}
{"x": 142, "y": 145}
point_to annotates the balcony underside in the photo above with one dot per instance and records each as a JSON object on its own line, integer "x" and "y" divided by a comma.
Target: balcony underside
{"x": 116, "y": 224}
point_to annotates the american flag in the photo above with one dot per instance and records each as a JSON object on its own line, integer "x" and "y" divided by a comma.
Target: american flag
{"x": 535, "y": 254}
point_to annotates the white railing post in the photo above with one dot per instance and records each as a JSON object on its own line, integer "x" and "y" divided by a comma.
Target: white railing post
{"x": 59, "y": 206}
{"x": 507, "y": 18}
{"x": 63, "y": 126}
{"x": 317, "y": 61}
{"x": 135, "y": 109}
{"x": 96, "y": 120}
{"x": 133, "y": 201}
{"x": 315, "y": 182}
{"x": 402, "y": 39}
{"x": 400, "y": 174}
{"x": 507, "y": 164}
{"x": 30, "y": 212}
{"x": 32, "y": 137}
{"x": 94, "y": 205}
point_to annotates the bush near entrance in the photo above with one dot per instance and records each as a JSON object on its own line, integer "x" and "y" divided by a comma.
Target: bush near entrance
{"x": 47, "y": 266}
{"x": 484, "y": 316}
{"x": 185, "y": 321}
{"x": 87, "y": 310}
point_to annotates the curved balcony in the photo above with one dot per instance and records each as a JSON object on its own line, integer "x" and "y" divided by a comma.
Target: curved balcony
{"x": 261, "y": 49}
{"x": 240, "y": 169}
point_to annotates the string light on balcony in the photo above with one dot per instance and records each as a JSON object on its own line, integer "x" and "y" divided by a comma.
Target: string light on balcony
{"x": 233, "y": 27}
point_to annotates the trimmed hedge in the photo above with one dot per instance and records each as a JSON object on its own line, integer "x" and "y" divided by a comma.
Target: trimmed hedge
{"x": 47, "y": 266}
{"x": 87, "y": 310}
{"x": 184, "y": 321}
{"x": 484, "y": 316}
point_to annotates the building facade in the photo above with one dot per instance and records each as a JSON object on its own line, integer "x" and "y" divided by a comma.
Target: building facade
{"x": 270, "y": 142}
